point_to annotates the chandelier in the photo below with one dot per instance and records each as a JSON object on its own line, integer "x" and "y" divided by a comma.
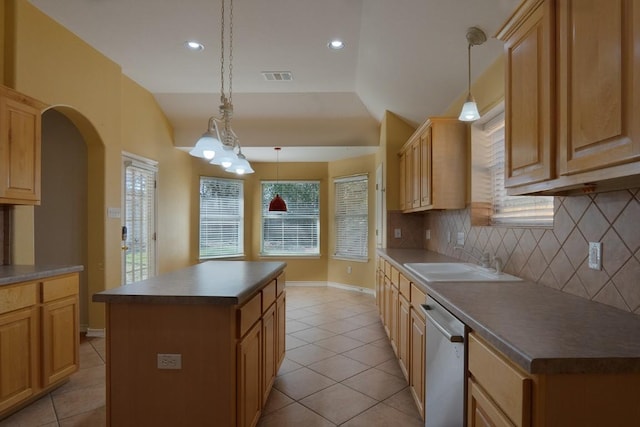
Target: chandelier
{"x": 219, "y": 144}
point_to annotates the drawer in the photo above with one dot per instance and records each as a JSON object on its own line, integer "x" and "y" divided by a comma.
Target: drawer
{"x": 505, "y": 384}
{"x": 268, "y": 295}
{"x": 417, "y": 298}
{"x": 249, "y": 314}
{"x": 15, "y": 297}
{"x": 59, "y": 287}
{"x": 405, "y": 286}
{"x": 280, "y": 284}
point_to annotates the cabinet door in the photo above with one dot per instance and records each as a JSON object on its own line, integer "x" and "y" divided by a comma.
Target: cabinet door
{"x": 250, "y": 377}
{"x": 380, "y": 292}
{"x": 599, "y": 68}
{"x": 403, "y": 177}
{"x": 425, "y": 168}
{"x": 18, "y": 356}
{"x": 281, "y": 317}
{"x": 269, "y": 350}
{"x": 403, "y": 336}
{"x": 387, "y": 306}
{"x": 529, "y": 82}
{"x": 393, "y": 318}
{"x": 19, "y": 151}
{"x": 415, "y": 174}
{"x": 60, "y": 339}
{"x": 482, "y": 411}
{"x": 417, "y": 359}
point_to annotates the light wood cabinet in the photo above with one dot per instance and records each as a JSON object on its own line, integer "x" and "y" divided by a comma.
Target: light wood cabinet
{"x": 269, "y": 351}
{"x": 39, "y": 338}
{"x": 405, "y": 326}
{"x": 598, "y": 70}
{"x": 18, "y": 356}
{"x": 403, "y": 335}
{"x": 404, "y": 181}
{"x": 281, "y": 318}
{"x": 482, "y": 411}
{"x": 250, "y": 395}
{"x": 417, "y": 350}
{"x": 20, "y": 134}
{"x": 570, "y": 102}
{"x": 529, "y": 83}
{"x": 60, "y": 333}
{"x": 435, "y": 166}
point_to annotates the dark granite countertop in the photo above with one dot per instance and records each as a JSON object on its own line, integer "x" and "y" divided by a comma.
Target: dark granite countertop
{"x": 10, "y": 274}
{"x": 211, "y": 282}
{"x": 543, "y": 330}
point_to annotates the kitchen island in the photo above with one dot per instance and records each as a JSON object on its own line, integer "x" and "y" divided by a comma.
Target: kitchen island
{"x": 197, "y": 346}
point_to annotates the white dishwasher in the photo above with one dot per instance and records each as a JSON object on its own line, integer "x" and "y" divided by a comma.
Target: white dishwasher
{"x": 445, "y": 367}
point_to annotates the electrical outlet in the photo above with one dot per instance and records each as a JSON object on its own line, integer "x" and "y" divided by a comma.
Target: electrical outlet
{"x": 448, "y": 237}
{"x": 427, "y": 235}
{"x": 397, "y": 233}
{"x": 460, "y": 239}
{"x": 349, "y": 269}
{"x": 169, "y": 361}
{"x": 595, "y": 255}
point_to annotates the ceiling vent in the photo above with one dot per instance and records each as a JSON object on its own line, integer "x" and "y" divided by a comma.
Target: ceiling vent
{"x": 277, "y": 76}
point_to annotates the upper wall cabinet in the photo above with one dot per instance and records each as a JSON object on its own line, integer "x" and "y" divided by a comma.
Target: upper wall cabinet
{"x": 20, "y": 123}
{"x": 433, "y": 166}
{"x": 570, "y": 99}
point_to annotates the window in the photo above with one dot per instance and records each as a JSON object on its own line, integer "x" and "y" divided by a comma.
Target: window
{"x": 351, "y": 217}
{"x": 511, "y": 210}
{"x": 297, "y": 231}
{"x": 221, "y": 217}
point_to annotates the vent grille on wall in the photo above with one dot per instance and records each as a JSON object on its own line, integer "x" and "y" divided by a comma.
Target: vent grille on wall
{"x": 277, "y": 76}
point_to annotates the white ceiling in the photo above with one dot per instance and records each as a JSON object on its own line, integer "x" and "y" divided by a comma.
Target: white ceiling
{"x": 405, "y": 56}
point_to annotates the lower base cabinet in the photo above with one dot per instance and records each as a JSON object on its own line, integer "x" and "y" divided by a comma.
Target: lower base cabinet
{"x": 39, "y": 338}
{"x": 418, "y": 359}
{"x": 250, "y": 358}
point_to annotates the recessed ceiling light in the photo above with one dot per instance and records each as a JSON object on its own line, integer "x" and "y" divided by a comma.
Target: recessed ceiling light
{"x": 194, "y": 45}
{"x": 336, "y": 44}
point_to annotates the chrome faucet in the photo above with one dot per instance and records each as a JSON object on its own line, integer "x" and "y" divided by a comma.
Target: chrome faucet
{"x": 484, "y": 259}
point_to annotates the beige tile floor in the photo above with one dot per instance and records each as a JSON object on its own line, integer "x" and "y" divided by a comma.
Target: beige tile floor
{"x": 339, "y": 370}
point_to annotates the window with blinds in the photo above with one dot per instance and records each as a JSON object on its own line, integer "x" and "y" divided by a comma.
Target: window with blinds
{"x": 221, "y": 217}
{"x": 297, "y": 231}
{"x": 351, "y": 217}
{"x": 529, "y": 211}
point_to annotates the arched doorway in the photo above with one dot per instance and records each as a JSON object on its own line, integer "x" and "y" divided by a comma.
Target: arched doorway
{"x": 72, "y": 172}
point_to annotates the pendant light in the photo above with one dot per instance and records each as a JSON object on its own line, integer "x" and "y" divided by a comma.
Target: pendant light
{"x": 277, "y": 204}
{"x": 469, "y": 113}
{"x": 219, "y": 143}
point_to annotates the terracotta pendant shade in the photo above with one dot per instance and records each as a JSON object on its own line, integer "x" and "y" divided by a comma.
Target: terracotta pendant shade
{"x": 277, "y": 204}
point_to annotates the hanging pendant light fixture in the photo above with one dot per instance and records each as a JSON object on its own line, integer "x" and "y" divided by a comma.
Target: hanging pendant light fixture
{"x": 277, "y": 204}
{"x": 219, "y": 143}
{"x": 469, "y": 113}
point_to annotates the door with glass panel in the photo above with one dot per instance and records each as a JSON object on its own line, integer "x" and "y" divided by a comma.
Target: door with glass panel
{"x": 138, "y": 219}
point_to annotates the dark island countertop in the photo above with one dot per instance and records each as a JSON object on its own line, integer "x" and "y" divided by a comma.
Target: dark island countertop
{"x": 10, "y": 274}
{"x": 211, "y": 282}
{"x": 543, "y": 330}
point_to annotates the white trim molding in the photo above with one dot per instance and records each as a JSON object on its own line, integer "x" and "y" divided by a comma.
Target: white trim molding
{"x": 95, "y": 333}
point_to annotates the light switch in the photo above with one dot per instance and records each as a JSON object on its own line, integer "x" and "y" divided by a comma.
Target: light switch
{"x": 397, "y": 233}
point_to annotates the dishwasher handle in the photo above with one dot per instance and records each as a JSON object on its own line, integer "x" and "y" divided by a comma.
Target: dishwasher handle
{"x": 451, "y": 336}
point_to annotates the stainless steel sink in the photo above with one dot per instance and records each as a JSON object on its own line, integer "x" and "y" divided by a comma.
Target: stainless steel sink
{"x": 457, "y": 272}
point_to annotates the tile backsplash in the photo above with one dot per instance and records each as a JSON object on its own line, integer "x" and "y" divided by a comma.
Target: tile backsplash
{"x": 556, "y": 257}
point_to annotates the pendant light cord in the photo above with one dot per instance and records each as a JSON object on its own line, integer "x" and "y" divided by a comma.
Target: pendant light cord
{"x": 469, "y": 69}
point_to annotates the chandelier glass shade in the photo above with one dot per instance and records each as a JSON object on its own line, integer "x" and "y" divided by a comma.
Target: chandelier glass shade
{"x": 219, "y": 144}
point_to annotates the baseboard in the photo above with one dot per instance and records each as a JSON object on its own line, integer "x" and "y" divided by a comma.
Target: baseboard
{"x": 95, "y": 333}
{"x": 351, "y": 288}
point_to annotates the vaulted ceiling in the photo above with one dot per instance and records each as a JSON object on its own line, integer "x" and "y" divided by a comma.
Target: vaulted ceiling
{"x": 405, "y": 56}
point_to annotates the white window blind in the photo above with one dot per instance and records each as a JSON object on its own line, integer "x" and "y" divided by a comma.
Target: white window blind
{"x": 530, "y": 211}
{"x": 297, "y": 231}
{"x": 351, "y": 217}
{"x": 221, "y": 217}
